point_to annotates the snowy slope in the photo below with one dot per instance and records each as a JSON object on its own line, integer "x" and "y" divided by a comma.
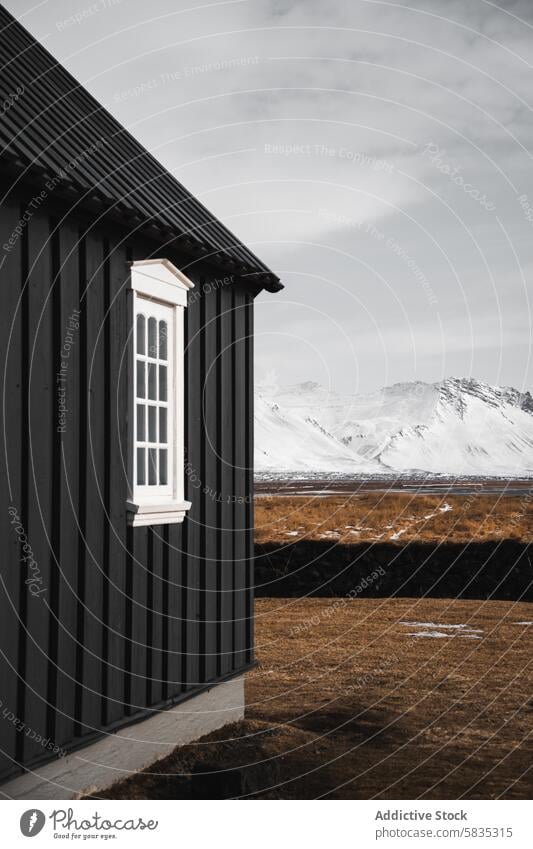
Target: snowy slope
{"x": 289, "y": 440}
{"x": 456, "y": 427}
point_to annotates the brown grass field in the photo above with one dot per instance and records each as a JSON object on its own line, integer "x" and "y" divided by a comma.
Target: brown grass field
{"x": 394, "y": 517}
{"x": 374, "y": 698}
{"x": 352, "y": 707}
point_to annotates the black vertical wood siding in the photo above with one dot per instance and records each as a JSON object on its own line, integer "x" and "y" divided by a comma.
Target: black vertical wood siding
{"x": 94, "y": 436}
{"x": 66, "y": 502}
{"x": 116, "y": 275}
{"x": 122, "y": 619}
{"x": 12, "y": 590}
{"x": 208, "y": 476}
{"x": 38, "y": 435}
{"x": 249, "y": 475}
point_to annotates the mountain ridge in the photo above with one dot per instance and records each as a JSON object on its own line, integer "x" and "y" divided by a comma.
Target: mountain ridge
{"x": 456, "y": 426}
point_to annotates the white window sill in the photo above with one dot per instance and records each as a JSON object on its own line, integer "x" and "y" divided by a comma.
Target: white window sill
{"x": 168, "y": 513}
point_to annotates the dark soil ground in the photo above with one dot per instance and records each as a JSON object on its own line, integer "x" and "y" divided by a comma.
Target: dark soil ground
{"x": 346, "y": 703}
{"x": 394, "y": 544}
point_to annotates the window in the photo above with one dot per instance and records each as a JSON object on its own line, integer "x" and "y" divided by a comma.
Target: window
{"x": 154, "y": 335}
{"x": 159, "y": 297}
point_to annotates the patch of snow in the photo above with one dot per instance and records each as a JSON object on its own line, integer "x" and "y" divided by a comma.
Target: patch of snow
{"x": 440, "y": 625}
{"x": 435, "y": 625}
{"x": 461, "y": 635}
{"x": 434, "y": 634}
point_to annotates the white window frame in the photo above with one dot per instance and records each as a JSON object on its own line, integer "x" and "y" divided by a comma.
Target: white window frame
{"x": 159, "y": 290}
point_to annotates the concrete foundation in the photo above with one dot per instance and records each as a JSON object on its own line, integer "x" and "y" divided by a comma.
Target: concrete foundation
{"x": 115, "y": 756}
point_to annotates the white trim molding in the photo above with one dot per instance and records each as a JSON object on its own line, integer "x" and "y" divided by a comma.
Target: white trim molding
{"x": 157, "y": 514}
{"x": 161, "y": 280}
{"x": 156, "y": 420}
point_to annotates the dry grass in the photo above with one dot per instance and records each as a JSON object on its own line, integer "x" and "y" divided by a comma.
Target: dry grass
{"x": 393, "y": 517}
{"x": 348, "y": 700}
{"x": 350, "y": 706}
{"x": 405, "y": 716}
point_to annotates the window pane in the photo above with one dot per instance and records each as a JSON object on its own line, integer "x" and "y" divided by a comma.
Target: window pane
{"x": 162, "y": 424}
{"x": 154, "y": 390}
{"x": 141, "y": 471}
{"x": 152, "y": 466}
{"x": 141, "y": 340}
{"x": 152, "y": 426}
{"x": 152, "y": 342}
{"x": 141, "y": 427}
{"x": 163, "y": 466}
{"x": 162, "y": 383}
{"x": 163, "y": 332}
{"x": 141, "y": 384}
{"x": 152, "y": 380}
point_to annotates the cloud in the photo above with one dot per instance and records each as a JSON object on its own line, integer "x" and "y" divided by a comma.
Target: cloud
{"x": 306, "y": 126}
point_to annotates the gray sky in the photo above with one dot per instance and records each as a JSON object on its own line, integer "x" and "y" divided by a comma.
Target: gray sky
{"x": 373, "y": 153}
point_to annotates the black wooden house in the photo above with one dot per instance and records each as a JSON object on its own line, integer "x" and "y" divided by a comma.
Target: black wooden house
{"x": 127, "y": 423}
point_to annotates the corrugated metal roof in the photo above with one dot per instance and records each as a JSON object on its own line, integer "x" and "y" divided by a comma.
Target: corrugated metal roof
{"x": 57, "y": 127}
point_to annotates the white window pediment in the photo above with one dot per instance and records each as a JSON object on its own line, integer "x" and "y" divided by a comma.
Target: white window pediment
{"x": 160, "y": 279}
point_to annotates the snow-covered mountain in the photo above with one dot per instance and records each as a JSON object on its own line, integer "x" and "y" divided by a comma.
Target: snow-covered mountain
{"x": 455, "y": 427}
